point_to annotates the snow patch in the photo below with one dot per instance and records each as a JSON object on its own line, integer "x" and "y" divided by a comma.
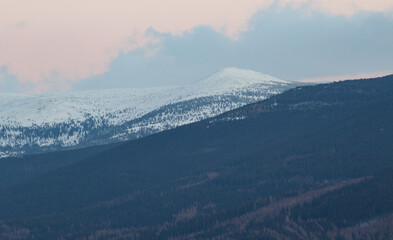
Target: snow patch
{"x": 72, "y": 118}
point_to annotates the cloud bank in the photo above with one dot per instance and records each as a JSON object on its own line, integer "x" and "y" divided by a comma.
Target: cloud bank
{"x": 52, "y": 44}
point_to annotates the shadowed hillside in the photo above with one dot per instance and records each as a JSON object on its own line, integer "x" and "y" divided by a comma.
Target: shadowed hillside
{"x": 311, "y": 163}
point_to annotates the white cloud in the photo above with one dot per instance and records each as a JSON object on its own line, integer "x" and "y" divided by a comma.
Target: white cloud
{"x": 64, "y": 41}
{"x": 52, "y": 43}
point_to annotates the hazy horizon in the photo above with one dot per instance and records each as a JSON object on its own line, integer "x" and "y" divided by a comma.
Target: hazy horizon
{"x": 126, "y": 44}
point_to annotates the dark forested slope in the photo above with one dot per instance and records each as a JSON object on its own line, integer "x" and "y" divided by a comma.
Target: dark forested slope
{"x": 276, "y": 169}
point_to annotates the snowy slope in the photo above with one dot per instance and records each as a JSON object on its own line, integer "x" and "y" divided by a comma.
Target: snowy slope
{"x": 35, "y": 123}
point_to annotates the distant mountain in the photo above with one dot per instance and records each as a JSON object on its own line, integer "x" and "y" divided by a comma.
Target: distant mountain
{"x": 47, "y": 122}
{"x": 314, "y": 162}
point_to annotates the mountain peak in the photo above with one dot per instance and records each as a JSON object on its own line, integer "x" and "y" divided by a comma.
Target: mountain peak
{"x": 228, "y": 78}
{"x": 57, "y": 121}
{"x": 235, "y": 70}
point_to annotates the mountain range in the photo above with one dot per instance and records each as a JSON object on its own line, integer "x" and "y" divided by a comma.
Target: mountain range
{"x": 49, "y": 122}
{"x": 314, "y": 162}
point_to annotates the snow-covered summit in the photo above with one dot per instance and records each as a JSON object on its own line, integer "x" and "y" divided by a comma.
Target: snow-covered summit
{"x": 240, "y": 76}
{"x": 229, "y": 79}
{"x": 81, "y": 118}
{"x": 122, "y": 104}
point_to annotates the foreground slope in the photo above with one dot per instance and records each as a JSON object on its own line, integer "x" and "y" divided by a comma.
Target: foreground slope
{"x": 283, "y": 168}
{"x": 47, "y": 122}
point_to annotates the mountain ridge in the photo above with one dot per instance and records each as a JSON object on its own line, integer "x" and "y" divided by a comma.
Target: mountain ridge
{"x": 46, "y": 122}
{"x": 294, "y": 171}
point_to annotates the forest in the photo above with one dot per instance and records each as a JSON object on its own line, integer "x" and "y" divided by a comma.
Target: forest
{"x": 315, "y": 162}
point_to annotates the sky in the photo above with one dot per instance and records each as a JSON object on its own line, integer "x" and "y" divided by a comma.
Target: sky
{"x": 59, "y": 45}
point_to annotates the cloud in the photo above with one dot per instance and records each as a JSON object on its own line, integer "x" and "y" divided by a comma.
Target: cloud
{"x": 70, "y": 40}
{"x": 350, "y": 7}
{"x": 341, "y": 7}
{"x": 53, "y": 44}
{"x": 8, "y": 83}
{"x": 342, "y": 77}
{"x": 285, "y": 44}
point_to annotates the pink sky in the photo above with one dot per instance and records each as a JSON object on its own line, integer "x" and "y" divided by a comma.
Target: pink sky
{"x": 65, "y": 41}
{"x": 347, "y": 77}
